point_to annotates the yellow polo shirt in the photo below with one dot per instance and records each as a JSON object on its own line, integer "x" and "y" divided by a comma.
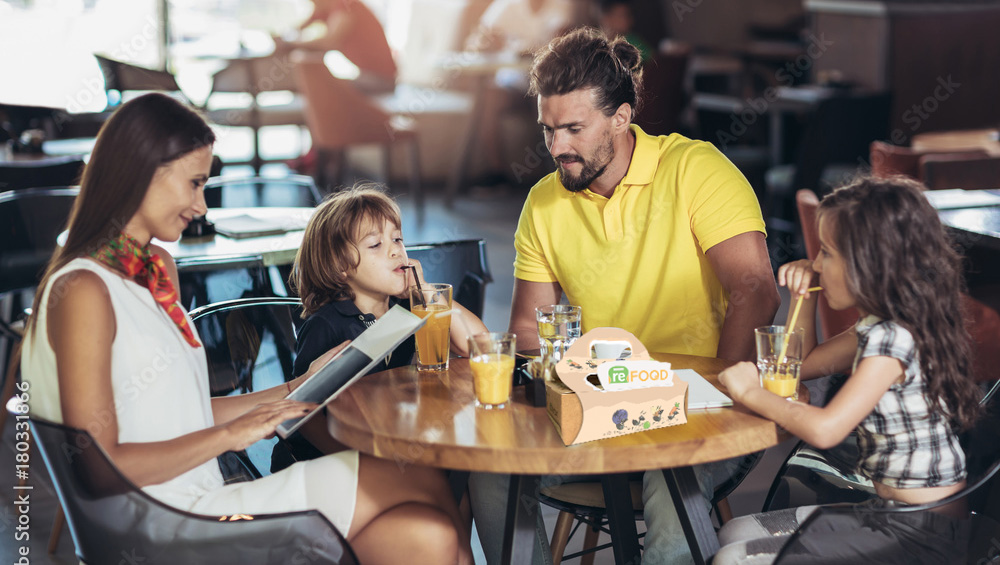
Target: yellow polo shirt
{"x": 637, "y": 260}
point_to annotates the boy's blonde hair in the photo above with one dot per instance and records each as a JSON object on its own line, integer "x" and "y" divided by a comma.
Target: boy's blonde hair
{"x": 329, "y": 246}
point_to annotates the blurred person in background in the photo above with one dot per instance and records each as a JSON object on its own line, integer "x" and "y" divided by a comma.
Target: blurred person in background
{"x": 515, "y": 28}
{"x": 616, "y": 19}
{"x": 352, "y": 29}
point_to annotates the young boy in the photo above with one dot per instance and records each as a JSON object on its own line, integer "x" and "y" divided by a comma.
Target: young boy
{"x": 350, "y": 270}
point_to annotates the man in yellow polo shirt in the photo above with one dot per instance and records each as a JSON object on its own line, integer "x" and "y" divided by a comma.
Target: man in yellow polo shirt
{"x": 661, "y": 236}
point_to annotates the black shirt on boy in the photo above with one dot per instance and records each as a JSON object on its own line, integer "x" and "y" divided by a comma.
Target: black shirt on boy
{"x": 332, "y": 325}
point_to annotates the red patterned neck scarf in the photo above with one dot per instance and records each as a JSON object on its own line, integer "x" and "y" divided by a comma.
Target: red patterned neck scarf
{"x": 125, "y": 255}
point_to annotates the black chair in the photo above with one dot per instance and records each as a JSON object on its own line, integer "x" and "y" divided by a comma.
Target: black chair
{"x": 30, "y": 221}
{"x": 962, "y": 528}
{"x": 112, "y": 520}
{"x": 250, "y": 345}
{"x": 460, "y": 263}
{"x": 251, "y": 192}
{"x": 41, "y": 173}
{"x": 204, "y": 282}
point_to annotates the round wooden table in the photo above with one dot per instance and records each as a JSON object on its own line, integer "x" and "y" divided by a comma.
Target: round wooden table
{"x": 430, "y": 419}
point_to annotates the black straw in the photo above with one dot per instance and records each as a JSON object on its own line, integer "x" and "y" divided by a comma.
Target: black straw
{"x": 420, "y": 289}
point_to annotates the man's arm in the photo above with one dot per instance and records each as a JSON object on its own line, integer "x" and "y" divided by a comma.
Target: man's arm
{"x": 527, "y": 297}
{"x": 743, "y": 268}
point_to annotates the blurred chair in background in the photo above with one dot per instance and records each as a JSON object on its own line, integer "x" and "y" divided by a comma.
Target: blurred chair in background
{"x": 41, "y": 173}
{"x": 943, "y": 171}
{"x": 340, "y": 117}
{"x": 252, "y": 192}
{"x": 664, "y": 96}
{"x": 204, "y": 282}
{"x": 835, "y": 140}
{"x": 887, "y": 159}
{"x": 460, "y": 263}
{"x": 30, "y": 221}
{"x": 123, "y": 80}
{"x": 236, "y": 100}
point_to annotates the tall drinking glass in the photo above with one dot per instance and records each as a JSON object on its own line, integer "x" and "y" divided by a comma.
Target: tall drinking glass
{"x": 779, "y": 360}
{"x": 432, "y": 301}
{"x": 558, "y": 328}
{"x": 492, "y": 362}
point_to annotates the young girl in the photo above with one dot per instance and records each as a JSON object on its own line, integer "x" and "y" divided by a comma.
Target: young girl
{"x": 107, "y": 312}
{"x": 884, "y": 251}
{"x": 350, "y": 269}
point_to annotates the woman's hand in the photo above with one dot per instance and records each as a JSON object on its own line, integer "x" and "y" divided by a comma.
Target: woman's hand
{"x": 260, "y": 422}
{"x": 739, "y": 379}
{"x": 798, "y": 276}
{"x": 418, "y": 272}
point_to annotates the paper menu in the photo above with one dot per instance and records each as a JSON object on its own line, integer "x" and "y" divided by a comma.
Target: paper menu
{"x": 701, "y": 393}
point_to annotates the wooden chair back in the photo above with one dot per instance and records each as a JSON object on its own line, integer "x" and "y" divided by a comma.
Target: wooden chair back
{"x": 338, "y": 115}
{"x": 832, "y": 322}
{"x": 960, "y": 171}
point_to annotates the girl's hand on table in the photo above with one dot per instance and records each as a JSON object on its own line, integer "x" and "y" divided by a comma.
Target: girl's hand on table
{"x": 260, "y": 422}
{"x": 739, "y": 379}
{"x": 798, "y": 276}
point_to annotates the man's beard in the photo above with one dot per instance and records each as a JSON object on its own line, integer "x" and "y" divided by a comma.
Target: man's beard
{"x": 591, "y": 170}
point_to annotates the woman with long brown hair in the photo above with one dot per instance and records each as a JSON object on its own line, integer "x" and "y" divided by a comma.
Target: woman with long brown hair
{"x": 883, "y": 251}
{"x": 110, "y": 350}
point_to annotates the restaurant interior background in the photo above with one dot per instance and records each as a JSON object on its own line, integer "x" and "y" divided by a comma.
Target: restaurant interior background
{"x": 753, "y": 80}
{"x": 935, "y": 62}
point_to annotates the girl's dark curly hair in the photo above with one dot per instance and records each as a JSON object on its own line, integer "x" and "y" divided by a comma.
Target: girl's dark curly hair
{"x": 901, "y": 267}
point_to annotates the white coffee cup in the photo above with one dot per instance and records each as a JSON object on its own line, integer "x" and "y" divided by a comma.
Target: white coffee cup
{"x": 609, "y": 349}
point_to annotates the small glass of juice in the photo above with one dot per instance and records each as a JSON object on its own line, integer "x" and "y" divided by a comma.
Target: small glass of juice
{"x": 491, "y": 357}
{"x": 779, "y": 360}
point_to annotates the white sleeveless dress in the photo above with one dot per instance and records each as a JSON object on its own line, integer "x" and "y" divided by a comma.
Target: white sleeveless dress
{"x": 161, "y": 392}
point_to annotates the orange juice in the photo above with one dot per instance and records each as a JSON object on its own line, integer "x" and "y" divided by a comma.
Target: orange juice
{"x": 433, "y": 339}
{"x": 782, "y": 385}
{"x": 780, "y": 378}
{"x": 492, "y": 375}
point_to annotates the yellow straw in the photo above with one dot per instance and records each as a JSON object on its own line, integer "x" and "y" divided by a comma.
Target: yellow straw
{"x": 791, "y": 323}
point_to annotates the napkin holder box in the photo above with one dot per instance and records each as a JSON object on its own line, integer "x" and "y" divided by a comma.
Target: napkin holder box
{"x": 583, "y": 411}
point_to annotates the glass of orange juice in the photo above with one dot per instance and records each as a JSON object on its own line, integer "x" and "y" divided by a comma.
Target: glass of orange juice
{"x": 779, "y": 360}
{"x": 491, "y": 356}
{"x": 432, "y": 301}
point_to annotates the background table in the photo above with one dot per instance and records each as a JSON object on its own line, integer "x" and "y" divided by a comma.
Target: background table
{"x": 987, "y": 140}
{"x": 273, "y": 249}
{"x": 430, "y": 419}
{"x": 974, "y": 226}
